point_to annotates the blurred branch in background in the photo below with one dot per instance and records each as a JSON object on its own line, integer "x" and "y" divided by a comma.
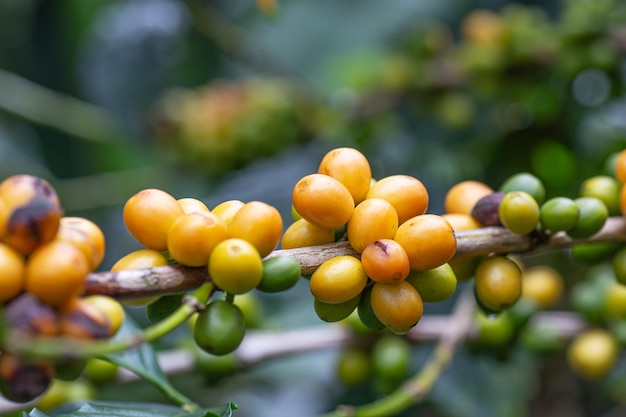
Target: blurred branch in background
{"x": 66, "y": 114}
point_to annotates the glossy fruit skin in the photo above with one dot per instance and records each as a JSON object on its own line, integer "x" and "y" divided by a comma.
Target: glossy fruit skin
{"x": 86, "y": 235}
{"x": 163, "y": 307}
{"x": 235, "y": 266}
{"x": 399, "y": 306}
{"x": 593, "y": 215}
{"x": 227, "y": 210}
{"x": 592, "y": 353}
{"x": 407, "y": 195}
{"x": 373, "y": 219}
{"x": 526, "y": 182}
{"x": 148, "y": 215}
{"x": 461, "y": 222}
{"x": 385, "y": 260}
{"x": 260, "y": 224}
{"x": 558, "y": 214}
{"x": 56, "y": 272}
{"x": 301, "y": 234}
{"x": 140, "y": 259}
{"x": 323, "y": 201}
{"x": 365, "y": 312}
{"x": 351, "y": 168}
{"x": 338, "y": 280}
{"x": 332, "y": 313}
{"x": 220, "y": 328}
{"x": 279, "y": 274}
{"x": 434, "y": 285}
{"x": 191, "y": 205}
{"x": 498, "y": 283}
{"x": 192, "y": 237}
{"x": 486, "y": 210}
{"x": 519, "y": 212}
{"x": 353, "y": 366}
{"x": 463, "y": 196}
{"x": 22, "y": 381}
{"x": 542, "y": 285}
{"x": 111, "y": 308}
{"x": 428, "y": 240}
{"x": 495, "y": 330}
{"x": 12, "y": 270}
{"x": 606, "y": 189}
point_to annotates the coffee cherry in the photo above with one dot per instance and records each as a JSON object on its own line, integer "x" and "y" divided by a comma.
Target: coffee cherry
{"x": 258, "y": 223}
{"x": 365, "y": 312}
{"x": 353, "y": 366}
{"x": 559, "y": 214}
{"x": 542, "y": 285}
{"x": 214, "y": 368}
{"x": 22, "y": 381}
{"x": 613, "y": 301}
{"x": 486, "y": 210}
{"x": 391, "y": 359}
{"x": 301, "y": 234}
{"x": 434, "y": 285}
{"x": 331, "y": 313}
{"x": 619, "y": 265}
{"x": 148, "y": 216}
{"x": 526, "y": 182}
{"x": 56, "y": 272}
{"x": 373, "y": 219}
{"x": 461, "y": 222}
{"x": 279, "y": 274}
{"x": 227, "y": 210}
{"x": 140, "y": 259}
{"x": 463, "y": 196}
{"x": 338, "y": 280}
{"x": 606, "y": 189}
{"x": 323, "y": 201}
{"x": 620, "y": 166}
{"x": 407, "y": 195}
{"x": 111, "y": 308}
{"x": 220, "y": 328}
{"x": 519, "y": 212}
{"x": 351, "y": 168}
{"x": 399, "y": 305}
{"x": 12, "y": 271}
{"x": 86, "y": 235}
{"x": 592, "y": 353}
{"x": 385, "y": 260}
{"x": 428, "y": 240}
{"x": 498, "y": 283}
{"x": 100, "y": 371}
{"x": 493, "y": 331}
{"x": 81, "y": 319}
{"x": 592, "y": 216}
{"x": 31, "y": 213}
{"x": 26, "y": 313}
{"x": 235, "y": 266}
{"x": 595, "y": 252}
{"x": 192, "y": 237}
{"x": 191, "y": 205}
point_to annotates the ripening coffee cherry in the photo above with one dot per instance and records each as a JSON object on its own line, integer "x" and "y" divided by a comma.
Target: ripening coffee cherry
{"x": 592, "y": 216}
{"x": 80, "y": 319}
{"x": 191, "y": 205}
{"x": 428, "y": 240}
{"x": 351, "y": 168}
{"x": 434, "y": 285}
{"x": 302, "y": 233}
{"x": 399, "y": 305}
{"x": 192, "y": 237}
{"x": 498, "y": 283}
{"x": 86, "y": 235}
{"x": 391, "y": 358}
{"x": 407, "y": 195}
{"x": 21, "y": 380}
{"x": 385, "y": 260}
{"x": 559, "y": 214}
{"x": 12, "y": 271}
{"x": 604, "y": 188}
{"x": 323, "y": 201}
{"x": 260, "y": 224}
{"x": 338, "y": 280}
{"x": 542, "y": 285}
{"x": 220, "y": 328}
{"x": 353, "y": 366}
{"x": 56, "y": 272}
{"x": 526, "y": 182}
{"x": 593, "y": 353}
{"x": 519, "y": 212}
{"x": 373, "y": 219}
{"x": 463, "y": 196}
{"x": 331, "y": 313}
{"x": 235, "y": 266}
{"x": 148, "y": 215}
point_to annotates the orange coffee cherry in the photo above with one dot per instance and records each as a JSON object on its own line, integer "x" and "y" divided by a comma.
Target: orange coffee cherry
{"x": 227, "y": 210}
{"x": 498, "y": 281}
{"x": 86, "y": 236}
{"x": 373, "y": 219}
{"x": 620, "y": 167}
{"x": 428, "y": 239}
{"x": 260, "y": 224}
{"x": 351, "y": 168}
{"x": 323, "y": 201}
{"x": 192, "y": 237}
{"x": 462, "y": 196}
{"x": 191, "y": 205}
{"x": 148, "y": 216}
{"x": 81, "y": 319}
{"x": 56, "y": 272}
{"x": 399, "y": 305}
{"x": 405, "y": 193}
{"x": 301, "y": 234}
{"x": 338, "y": 280}
{"x": 386, "y": 261}
{"x": 140, "y": 259}
{"x": 12, "y": 272}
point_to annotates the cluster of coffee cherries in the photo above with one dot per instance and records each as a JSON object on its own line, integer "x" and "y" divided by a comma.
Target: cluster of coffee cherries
{"x": 233, "y": 241}
{"x": 45, "y": 258}
{"x": 402, "y": 252}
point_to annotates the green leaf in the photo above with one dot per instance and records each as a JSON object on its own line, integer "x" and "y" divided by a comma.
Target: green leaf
{"x": 122, "y": 409}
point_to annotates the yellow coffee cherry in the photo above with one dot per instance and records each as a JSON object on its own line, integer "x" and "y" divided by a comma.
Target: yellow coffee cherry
{"x": 12, "y": 273}
{"x": 351, "y": 168}
{"x": 192, "y": 237}
{"x": 338, "y": 280}
{"x": 227, "y": 210}
{"x": 398, "y": 305}
{"x": 592, "y": 353}
{"x": 235, "y": 266}
{"x": 373, "y": 219}
{"x": 140, "y": 259}
{"x": 301, "y": 234}
{"x": 86, "y": 235}
{"x": 542, "y": 285}
{"x": 191, "y": 205}
{"x": 258, "y": 223}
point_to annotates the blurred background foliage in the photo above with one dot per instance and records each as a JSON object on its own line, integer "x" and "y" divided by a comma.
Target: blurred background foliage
{"x": 222, "y": 99}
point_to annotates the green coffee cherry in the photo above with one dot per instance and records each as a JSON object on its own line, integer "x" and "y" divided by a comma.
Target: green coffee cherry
{"x": 279, "y": 274}
{"x": 220, "y": 328}
{"x": 163, "y": 307}
{"x": 391, "y": 358}
{"x": 593, "y": 253}
{"x": 526, "y": 182}
{"x": 593, "y": 215}
{"x": 519, "y": 212}
{"x": 619, "y": 265}
{"x": 331, "y": 313}
{"x": 434, "y": 285}
{"x": 366, "y": 313}
{"x": 559, "y": 214}
{"x": 353, "y": 366}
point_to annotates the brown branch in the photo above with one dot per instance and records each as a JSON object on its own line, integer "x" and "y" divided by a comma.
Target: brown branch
{"x": 173, "y": 279}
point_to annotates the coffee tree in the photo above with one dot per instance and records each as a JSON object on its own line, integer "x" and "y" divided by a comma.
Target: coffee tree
{"x": 455, "y": 223}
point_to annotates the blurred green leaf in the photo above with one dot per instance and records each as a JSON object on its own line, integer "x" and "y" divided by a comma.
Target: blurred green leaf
{"x": 115, "y": 409}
